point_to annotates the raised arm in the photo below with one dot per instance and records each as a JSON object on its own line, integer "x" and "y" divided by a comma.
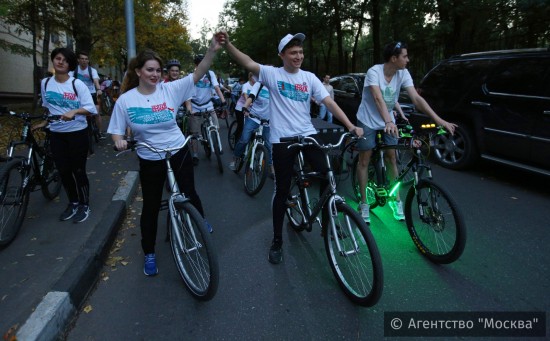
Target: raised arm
{"x": 204, "y": 65}
{"x": 239, "y": 57}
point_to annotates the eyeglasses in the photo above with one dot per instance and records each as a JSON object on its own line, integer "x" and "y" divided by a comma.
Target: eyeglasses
{"x": 397, "y": 47}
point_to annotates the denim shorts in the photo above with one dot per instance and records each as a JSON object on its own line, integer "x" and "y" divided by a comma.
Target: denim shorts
{"x": 369, "y": 141}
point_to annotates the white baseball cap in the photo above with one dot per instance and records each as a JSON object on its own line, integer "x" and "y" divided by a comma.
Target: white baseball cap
{"x": 288, "y": 38}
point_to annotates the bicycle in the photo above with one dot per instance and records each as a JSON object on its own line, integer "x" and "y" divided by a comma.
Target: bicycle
{"x": 433, "y": 219}
{"x": 255, "y": 160}
{"x": 106, "y": 103}
{"x": 210, "y": 137}
{"x": 21, "y": 174}
{"x": 350, "y": 246}
{"x": 232, "y": 137}
{"x": 192, "y": 248}
{"x": 93, "y": 133}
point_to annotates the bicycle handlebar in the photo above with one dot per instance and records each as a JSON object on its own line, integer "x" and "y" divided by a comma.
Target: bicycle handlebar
{"x": 133, "y": 144}
{"x": 301, "y": 141}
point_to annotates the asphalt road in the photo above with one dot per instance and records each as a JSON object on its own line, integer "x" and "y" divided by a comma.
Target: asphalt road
{"x": 504, "y": 268}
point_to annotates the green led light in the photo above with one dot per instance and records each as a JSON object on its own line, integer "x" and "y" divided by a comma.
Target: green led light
{"x": 394, "y": 189}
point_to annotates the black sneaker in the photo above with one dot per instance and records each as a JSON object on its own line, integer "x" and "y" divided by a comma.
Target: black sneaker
{"x": 276, "y": 252}
{"x": 69, "y": 212}
{"x": 81, "y": 214}
{"x": 195, "y": 161}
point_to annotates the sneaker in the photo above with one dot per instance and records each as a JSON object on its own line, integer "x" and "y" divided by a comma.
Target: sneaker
{"x": 276, "y": 252}
{"x": 364, "y": 208}
{"x": 233, "y": 166}
{"x": 397, "y": 208}
{"x": 195, "y": 161}
{"x": 69, "y": 212}
{"x": 82, "y": 214}
{"x": 208, "y": 226}
{"x": 150, "y": 265}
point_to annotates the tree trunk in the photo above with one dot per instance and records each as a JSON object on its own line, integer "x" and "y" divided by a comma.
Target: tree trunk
{"x": 375, "y": 27}
{"x": 81, "y": 25}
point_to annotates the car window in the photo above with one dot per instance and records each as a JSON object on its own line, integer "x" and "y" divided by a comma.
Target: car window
{"x": 335, "y": 83}
{"x": 520, "y": 77}
{"x": 347, "y": 84}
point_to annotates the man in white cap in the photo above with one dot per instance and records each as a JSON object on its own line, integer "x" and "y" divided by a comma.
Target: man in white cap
{"x": 291, "y": 89}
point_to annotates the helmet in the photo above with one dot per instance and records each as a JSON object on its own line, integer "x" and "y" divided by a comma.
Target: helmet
{"x": 198, "y": 58}
{"x": 173, "y": 62}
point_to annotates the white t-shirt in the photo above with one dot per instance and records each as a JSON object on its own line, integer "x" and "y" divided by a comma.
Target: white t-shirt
{"x": 152, "y": 118}
{"x": 260, "y": 106}
{"x": 202, "y": 100}
{"x": 84, "y": 76}
{"x": 244, "y": 90}
{"x": 368, "y": 112}
{"x": 290, "y": 96}
{"x": 60, "y": 98}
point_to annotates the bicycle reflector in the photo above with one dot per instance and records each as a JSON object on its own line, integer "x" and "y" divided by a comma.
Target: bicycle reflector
{"x": 428, "y": 126}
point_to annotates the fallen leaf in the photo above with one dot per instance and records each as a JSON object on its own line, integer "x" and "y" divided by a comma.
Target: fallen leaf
{"x": 88, "y": 308}
{"x": 30, "y": 255}
{"x": 124, "y": 263}
{"x": 514, "y": 198}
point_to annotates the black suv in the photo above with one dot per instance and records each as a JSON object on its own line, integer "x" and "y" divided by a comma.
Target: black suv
{"x": 501, "y": 102}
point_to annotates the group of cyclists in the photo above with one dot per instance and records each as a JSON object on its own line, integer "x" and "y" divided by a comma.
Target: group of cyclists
{"x": 148, "y": 100}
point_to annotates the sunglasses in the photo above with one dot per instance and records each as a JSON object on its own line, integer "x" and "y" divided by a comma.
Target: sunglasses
{"x": 397, "y": 47}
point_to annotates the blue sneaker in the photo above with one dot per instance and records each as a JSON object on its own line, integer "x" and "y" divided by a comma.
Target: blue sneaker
{"x": 150, "y": 266}
{"x": 208, "y": 226}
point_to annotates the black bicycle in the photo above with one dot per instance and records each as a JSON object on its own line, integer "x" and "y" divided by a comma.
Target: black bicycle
{"x": 433, "y": 218}
{"x": 24, "y": 170}
{"x": 350, "y": 246}
{"x": 94, "y": 135}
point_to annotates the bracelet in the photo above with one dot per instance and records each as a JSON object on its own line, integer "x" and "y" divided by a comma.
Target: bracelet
{"x": 389, "y": 122}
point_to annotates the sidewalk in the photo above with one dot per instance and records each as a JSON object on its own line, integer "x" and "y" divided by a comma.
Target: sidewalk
{"x": 50, "y": 267}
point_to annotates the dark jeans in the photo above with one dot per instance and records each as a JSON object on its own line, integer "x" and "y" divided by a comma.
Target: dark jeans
{"x": 70, "y": 153}
{"x": 283, "y": 162}
{"x": 152, "y": 176}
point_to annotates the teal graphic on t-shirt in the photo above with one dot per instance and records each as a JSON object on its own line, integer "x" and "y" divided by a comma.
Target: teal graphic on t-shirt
{"x": 68, "y": 100}
{"x": 203, "y": 83}
{"x": 147, "y": 116}
{"x": 295, "y": 92}
{"x": 389, "y": 97}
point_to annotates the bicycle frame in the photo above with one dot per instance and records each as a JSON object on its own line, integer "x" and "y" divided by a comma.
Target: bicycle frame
{"x": 328, "y": 196}
{"x": 31, "y": 158}
{"x": 209, "y": 128}
{"x": 258, "y": 139}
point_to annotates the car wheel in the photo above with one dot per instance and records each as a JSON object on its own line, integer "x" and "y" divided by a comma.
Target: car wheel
{"x": 456, "y": 151}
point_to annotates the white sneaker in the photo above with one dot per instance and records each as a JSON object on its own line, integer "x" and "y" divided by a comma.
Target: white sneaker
{"x": 232, "y": 166}
{"x": 365, "y": 210}
{"x": 397, "y": 208}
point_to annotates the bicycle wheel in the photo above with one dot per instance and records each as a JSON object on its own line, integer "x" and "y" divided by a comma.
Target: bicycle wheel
{"x": 193, "y": 251}
{"x": 206, "y": 143}
{"x": 217, "y": 151}
{"x": 231, "y": 135}
{"x": 14, "y": 199}
{"x": 91, "y": 147}
{"x": 294, "y": 210}
{"x": 255, "y": 171}
{"x": 50, "y": 180}
{"x": 371, "y": 184}
{"x": 434, "y": 222}
{"x": 354, "y": 257}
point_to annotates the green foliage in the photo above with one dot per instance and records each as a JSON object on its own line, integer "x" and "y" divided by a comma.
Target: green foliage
{"x": 335, "y": 29}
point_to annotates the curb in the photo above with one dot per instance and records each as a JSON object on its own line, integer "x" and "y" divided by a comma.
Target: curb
{"x": 58, "y": 307}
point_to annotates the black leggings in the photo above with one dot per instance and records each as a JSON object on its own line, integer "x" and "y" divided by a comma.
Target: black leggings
{"x": 283, "y": 162}
{"x": 152, "y": 176}
{"x": 70, "y": 153}
{"x": 239, "y": 116}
